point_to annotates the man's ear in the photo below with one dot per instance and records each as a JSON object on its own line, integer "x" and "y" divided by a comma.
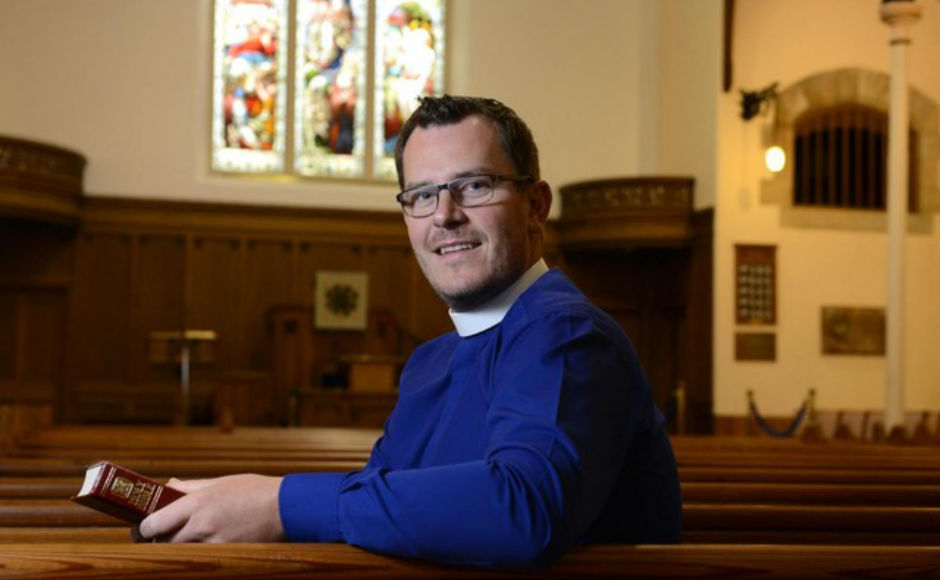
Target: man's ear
{"x": 540, "y": 203}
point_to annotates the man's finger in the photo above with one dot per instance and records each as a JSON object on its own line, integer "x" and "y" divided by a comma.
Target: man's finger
{"x": 190, "y": 485}
{"x": 165, "y": 521}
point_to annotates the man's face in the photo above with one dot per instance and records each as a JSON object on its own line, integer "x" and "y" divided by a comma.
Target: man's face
{"x": 470, "y": 254}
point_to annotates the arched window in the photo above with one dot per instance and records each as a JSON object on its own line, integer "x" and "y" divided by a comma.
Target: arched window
{"x": 320, "y": 88}
{"x": 840, "y": 158}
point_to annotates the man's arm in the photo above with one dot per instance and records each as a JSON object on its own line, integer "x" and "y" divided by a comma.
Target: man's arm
{"x": 566, "y": 402}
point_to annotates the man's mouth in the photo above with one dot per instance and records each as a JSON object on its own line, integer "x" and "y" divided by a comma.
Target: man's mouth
{"x": 452, "y": 248}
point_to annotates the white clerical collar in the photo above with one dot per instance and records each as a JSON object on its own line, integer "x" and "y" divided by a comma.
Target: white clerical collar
{"x": 492, "y": 312}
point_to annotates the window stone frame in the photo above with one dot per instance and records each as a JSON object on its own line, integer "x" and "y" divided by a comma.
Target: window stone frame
{"x": 839, "y": 87}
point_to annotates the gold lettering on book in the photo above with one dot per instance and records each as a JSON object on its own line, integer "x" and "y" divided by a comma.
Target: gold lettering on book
{"x": 142, "y": 493}
{"x": 122, "y": 487}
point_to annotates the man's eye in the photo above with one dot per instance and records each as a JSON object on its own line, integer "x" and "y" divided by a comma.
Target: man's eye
{"x": 475, "y": 185}
{"x": 425, "y": 195}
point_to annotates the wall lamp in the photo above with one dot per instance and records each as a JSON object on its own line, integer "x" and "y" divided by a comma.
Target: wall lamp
{"x": 755, "y": 102}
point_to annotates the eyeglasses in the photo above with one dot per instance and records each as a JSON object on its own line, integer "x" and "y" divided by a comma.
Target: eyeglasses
{"x": 469, "y": 191}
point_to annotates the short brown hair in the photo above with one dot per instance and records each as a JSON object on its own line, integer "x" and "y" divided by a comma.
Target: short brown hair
{"x": 514, "y": 134}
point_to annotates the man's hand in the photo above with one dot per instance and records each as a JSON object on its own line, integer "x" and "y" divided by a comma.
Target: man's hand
{"x": 234, "y": 508}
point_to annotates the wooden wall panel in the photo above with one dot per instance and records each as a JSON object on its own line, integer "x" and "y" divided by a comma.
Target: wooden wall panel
{"x": 43, "y": 350}
{"x": 387, "y": 286}
{"x": 158, "y": 287}
{"x": 216, "y": 278}
{"x": 268, "y": 281}
{"x": 642, "y": 289}
{"x": 101, "y": 305}
{"x": 9, "y": 325}
{"x": 34, "y": 253}
{"x": 30, "y": 345}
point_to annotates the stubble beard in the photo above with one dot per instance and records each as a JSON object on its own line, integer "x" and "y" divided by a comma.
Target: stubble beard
{"x": 469, "y": 295}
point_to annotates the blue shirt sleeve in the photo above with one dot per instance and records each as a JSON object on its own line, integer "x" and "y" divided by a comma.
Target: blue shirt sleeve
{"x": 566, "y": 397}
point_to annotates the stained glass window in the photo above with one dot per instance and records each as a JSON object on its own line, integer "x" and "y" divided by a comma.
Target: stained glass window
{"x": 249, "y": 89}
{"x": 330, "y": 86}
{"x": 318, "y": 124}
{"x": 409, "y": 41}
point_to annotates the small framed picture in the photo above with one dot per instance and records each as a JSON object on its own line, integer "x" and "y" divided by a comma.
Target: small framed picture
{"x": 341, "y": 300}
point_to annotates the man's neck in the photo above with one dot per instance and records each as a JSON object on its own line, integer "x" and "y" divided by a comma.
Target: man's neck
{"x": 492, "y": 312}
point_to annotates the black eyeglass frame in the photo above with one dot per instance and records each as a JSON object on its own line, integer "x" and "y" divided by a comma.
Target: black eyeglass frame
{"x": 452, "y": 187}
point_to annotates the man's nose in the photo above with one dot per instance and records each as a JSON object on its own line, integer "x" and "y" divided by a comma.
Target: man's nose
{"x": 448, "y": 212}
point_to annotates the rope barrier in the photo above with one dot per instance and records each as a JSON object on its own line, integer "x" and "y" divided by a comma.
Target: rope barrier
{"x": 794, "y": 425}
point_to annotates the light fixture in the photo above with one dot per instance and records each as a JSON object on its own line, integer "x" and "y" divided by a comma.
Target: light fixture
{"x": 755, "y": 102}
{"x": 775, "y": 158}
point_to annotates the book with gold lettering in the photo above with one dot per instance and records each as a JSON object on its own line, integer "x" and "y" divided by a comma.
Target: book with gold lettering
{"x": 122, "y": 493}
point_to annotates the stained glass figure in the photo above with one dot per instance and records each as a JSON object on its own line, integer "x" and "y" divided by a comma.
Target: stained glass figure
{"x": 409, "y": 48}
{"x": 330, "y": 80}
{"x": 249, "y": 88}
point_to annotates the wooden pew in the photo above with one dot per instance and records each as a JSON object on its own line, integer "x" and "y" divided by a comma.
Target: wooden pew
{"x": 805, "y": 493}
{"x": 734, "y": 491}
{"x": 790, "y": 523}
{"x": 218, "y": 561}
{"x": 692, "y": 491}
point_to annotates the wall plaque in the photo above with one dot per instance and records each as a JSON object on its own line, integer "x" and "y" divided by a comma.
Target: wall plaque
{"x": 341, "y": 300}
{"x": 853, "y": 330}
{"x": 755, "y": 277}
{"x": 755, "y": 346}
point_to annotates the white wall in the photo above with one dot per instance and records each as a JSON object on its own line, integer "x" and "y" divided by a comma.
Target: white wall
{"x": 126, "y": 82}
{"x": 689, "y": 50}
{"x": 786, "y": 41}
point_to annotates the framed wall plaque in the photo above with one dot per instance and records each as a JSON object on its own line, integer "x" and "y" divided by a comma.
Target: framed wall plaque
{"x": 758, "y": 346}
{"x": 848, "y": 330}
{"x": 341, "y": 300}
{"x": 755, "y": 283}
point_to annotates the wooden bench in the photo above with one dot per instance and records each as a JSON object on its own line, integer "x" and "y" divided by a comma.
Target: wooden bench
{"x": 212, "y": 561}
{"x": 692, "y": 491}
{"x": 736, "y": 491}
{"x": 841, "y": 524}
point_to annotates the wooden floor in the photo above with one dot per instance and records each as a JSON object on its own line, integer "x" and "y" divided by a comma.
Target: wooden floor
{"x": 753, "y": 508}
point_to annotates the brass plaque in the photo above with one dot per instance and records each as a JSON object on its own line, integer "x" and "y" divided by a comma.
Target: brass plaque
{"x": 853, "y": 330}
{"x": 755, "y": 346}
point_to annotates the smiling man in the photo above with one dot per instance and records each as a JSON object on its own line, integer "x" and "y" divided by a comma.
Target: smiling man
{"x": 527, "y": 430}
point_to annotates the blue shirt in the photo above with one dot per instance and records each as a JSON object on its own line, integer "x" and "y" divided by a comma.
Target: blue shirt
{"x": 507, "y": 447}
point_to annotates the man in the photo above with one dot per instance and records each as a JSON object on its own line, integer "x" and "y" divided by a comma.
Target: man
{"x": 529, "y": 429}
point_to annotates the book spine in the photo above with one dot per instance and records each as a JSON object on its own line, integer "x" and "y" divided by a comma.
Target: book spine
{"x": 127, "y": 495}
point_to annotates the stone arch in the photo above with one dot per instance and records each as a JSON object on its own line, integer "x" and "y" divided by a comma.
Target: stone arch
{"x": 863, "y": 87}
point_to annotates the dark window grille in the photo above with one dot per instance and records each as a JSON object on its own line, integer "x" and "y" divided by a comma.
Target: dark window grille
{"x": 840, "y": 159}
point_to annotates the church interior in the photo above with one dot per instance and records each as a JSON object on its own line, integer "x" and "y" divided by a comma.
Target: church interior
{"x": 189, "y": 311}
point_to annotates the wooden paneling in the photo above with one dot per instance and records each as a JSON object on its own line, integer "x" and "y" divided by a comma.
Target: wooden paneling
{"x": 269, "y": 275}
{"x": 139, "y": 266}
{"x": 144, "y": 266}
{"x": 101, "y": 305}
{"x": 642, "y": 289}
{"x": 216, "y": 275}
{"x": 9, "y": 332}
{"x": 158, "y": 300}
{"x": 43, "y": 348}
{"x": 31, "y": 344}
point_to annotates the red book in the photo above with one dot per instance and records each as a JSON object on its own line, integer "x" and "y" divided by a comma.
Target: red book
{"x": 122, "y": 493}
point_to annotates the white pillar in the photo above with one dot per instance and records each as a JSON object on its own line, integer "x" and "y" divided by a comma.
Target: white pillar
{"x": 899, "y": 15}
